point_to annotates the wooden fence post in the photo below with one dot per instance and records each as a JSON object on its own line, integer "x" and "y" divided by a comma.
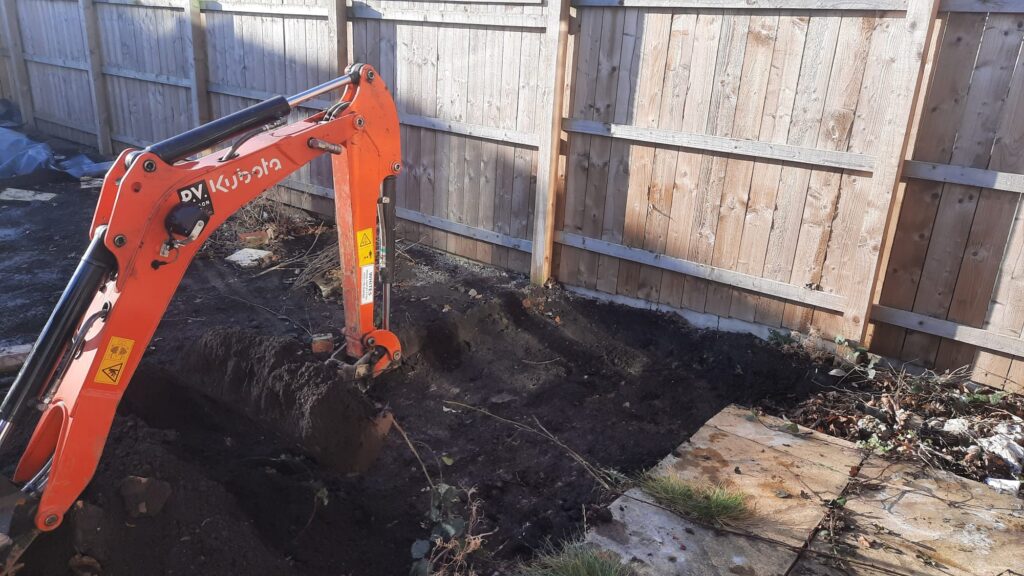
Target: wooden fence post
{"x": 908, "y": 68}
{"x": 98, "y": 86}
{"x": 337, "y": 31}
{"x": 552, "y": 95}
{"x": 198, "y": 70}
{"x": 19, "y": 71}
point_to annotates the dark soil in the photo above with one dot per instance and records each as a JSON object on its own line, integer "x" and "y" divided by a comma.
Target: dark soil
{"x": 247, "y": 426}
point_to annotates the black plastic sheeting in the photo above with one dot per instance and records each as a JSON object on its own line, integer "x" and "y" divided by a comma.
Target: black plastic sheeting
{"x": 21, "y": 156}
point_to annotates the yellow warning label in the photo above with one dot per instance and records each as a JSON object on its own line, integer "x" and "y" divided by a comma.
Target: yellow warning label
{"x": 113, "y": 361}
{"x": 364, "y": 246}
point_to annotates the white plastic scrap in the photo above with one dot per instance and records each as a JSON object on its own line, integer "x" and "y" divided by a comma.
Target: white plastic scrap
{"x": 250, "y": 257}
{"x": 1011, "y": 486}
{"x": 1002, "y": 445}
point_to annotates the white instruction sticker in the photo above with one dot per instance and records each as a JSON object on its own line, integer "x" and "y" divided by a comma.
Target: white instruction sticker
{"x": 367, "y": 285}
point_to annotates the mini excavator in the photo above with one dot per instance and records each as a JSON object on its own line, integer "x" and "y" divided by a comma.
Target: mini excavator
{"x": 155, "y": 208}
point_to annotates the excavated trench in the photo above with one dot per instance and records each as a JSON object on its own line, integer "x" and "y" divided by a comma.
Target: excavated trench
{"x": 257, "y": 440}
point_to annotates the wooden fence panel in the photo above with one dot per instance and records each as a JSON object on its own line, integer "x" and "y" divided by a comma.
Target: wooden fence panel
{"x": 734, "y": 159}
{"x": 467, "y": 89}
{"x": 956, "y": 247}
{"x": 145, "y": 64}
{"x": 56, "y": 64}
{"x": 771, "y": 111}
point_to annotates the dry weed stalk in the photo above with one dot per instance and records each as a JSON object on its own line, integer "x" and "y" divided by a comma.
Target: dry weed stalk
{"x": 450, "y": 557}
{"x": 608, "y": 479}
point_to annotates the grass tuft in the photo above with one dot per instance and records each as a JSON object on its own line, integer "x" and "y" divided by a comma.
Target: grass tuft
{"x": 708, "y": 503}
{"x": 575, "y": 559}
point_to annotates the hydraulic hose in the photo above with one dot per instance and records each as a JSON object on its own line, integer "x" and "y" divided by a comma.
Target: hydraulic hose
{"x": 94, "y": 267}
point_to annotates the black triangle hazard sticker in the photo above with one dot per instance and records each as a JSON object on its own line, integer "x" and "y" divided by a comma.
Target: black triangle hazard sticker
{"x": 113, "y": 371}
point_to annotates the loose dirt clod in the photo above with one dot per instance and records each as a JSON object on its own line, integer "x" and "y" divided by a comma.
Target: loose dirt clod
{"x": 87, "y": 526}
{"x": 144, "y": 496}
{"x": 81, "y": 565}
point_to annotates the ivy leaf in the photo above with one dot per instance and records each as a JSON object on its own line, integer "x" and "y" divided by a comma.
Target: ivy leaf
{"x": 420, "y": 568}
{"x": 443, "y": 530}
{"x": 420, "y": 549}
{"x": 458, "y": 526}
{"x": 837, "y": 502}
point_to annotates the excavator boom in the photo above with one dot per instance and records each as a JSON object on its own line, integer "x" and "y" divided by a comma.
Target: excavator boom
{"x": 155, "y": 209}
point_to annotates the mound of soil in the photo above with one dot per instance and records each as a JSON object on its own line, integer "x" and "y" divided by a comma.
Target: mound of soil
{"x": 254, "y": 435}
{"x": 277, "y": 379}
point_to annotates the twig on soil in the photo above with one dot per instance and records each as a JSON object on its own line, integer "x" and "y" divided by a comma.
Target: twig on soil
{"x": 320, "y": 264}
{"x": 603, "y": 478}
{"x": 542, "y": 362}
{"x": 318, "y": 497}
{"x": 276, "y": 314}
{"x": 414, "y": 451}
{"x": 403, "y": 252}
{"x": 319, "y": 230}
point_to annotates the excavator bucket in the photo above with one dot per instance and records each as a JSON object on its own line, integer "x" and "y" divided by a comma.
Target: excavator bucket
{"x": 17, "y": 529}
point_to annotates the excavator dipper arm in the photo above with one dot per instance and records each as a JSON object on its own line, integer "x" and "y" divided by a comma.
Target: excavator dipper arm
{"x": 156, "y": 207}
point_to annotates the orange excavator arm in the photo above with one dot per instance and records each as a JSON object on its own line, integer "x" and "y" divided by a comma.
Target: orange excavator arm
{"x": 155, "y": 209}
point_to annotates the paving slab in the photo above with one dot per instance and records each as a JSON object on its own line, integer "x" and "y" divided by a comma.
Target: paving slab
{"x": 787, "y": 437}
{"x": 656, "y": 542}
{"x": 812, "y": 565}
{"x": 911, "y": 519}
{"x": 897, "y": 518}
{"x": 787, "y": 494}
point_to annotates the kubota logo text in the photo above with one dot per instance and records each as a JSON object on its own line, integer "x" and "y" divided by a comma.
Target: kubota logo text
{"x": 226, "y": 183}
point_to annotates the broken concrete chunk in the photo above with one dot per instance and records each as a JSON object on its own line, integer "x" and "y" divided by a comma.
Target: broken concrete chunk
{"x": 17, "y": 194}
{"x": 323, "y": 344}
{"x": 144, "y": 496}
{"x": 957, "y": 426}
{"x": 250, "y": 257}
